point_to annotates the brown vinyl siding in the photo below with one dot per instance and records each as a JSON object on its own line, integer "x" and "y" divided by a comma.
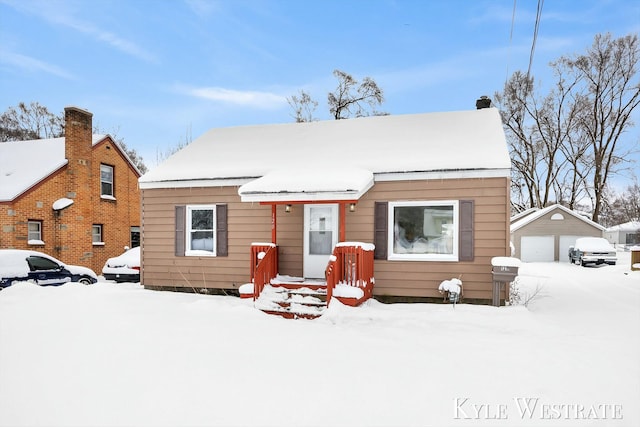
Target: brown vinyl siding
{"x": 422, "y": 278}
{"x": 246, "y": 223}
{"x": 251, "y": 222}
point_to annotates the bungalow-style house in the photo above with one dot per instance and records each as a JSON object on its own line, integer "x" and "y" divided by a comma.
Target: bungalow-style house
{"x": 545, "y": 235}
{"x": 75, "y": 198}
{"x": 627, "y": 234}
{"x": 395, "y": 203}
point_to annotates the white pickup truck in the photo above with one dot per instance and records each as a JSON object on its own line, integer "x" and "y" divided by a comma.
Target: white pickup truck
{"x": 592, "y": 250}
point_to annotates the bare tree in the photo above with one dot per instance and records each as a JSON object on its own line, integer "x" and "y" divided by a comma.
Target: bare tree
{"x": 350, "y": 99}
{"x": 161, "y": 156}
{"x": 135, "y": 158}
{"x": 525, "y": 155}
{"x": 33, "y": 121}
{"x": 303, "y": 107}
{"x": 622, "y": 208}
{"x": 607, "y": 72}
{"x": 353, "y": 99}
{"x": 564, "y": 146}
{"x": 133, "y": 155}
{"x": 544, "y": 142}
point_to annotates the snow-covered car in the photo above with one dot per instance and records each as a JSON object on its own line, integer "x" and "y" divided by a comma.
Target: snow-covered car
{"x": 17, "y": 265}
{"x": 123, "y": 268}
{"x": 592, "y": 250}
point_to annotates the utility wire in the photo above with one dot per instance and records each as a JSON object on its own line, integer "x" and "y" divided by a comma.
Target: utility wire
{"x": 535, "y": 37}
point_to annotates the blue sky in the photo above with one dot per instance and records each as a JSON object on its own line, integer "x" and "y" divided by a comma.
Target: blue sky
{"x": 155, "y": 71}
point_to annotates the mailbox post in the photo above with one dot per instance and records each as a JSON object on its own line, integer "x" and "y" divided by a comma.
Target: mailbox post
{"x": 504, "y": 270}
{"x": 635, "y": 258}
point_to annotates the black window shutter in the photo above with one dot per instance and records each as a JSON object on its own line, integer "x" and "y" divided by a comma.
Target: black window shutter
{"x": 222, "y": 235}
{"x": 180, "y": 227}
{"x": 380, "y": 230}
{"x": 466, "y": 230}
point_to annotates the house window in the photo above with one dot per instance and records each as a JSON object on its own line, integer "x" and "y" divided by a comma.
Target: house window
{"x": 135, "y": 236}
{"x": 201, "y": 230}
{"x": 106, "y": 180}
{"x": 34, "y": 232}
{"x": 96, "y": 234}
{"x": 423, "y": 230}
{"x": 192, "y": 231}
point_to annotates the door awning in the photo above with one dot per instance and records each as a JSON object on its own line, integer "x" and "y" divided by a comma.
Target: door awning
{"x": 308, "y": 184}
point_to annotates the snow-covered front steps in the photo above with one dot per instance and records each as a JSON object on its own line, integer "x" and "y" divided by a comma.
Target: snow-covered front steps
{"x": 296, "y": 297}
{"x": 293, "y": 300}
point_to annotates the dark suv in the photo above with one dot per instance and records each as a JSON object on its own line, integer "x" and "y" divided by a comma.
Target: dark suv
{"x": 31, "y": 266}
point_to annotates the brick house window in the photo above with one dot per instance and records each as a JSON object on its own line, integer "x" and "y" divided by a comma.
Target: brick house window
{"x": 34, "y": 232}
{"x": 96, "y": 234}
{"x": 135, "y": 236}
{"x": 106, "y": 181}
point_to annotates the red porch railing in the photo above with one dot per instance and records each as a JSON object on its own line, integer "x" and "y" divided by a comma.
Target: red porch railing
{"x": 264, "y": 265}
{"x": 351, "y": 264}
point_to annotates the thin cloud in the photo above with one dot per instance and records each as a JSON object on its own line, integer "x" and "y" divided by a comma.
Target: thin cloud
{"x": 262, "y": 100}
{"x": 118, "y": 43}
{"x": 55, "y": 13}
{"x": 32, "y": 64}
{"x": 202, "y": 7}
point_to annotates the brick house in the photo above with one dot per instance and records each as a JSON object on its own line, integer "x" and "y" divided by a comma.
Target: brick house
{"x": 75, "y": 198}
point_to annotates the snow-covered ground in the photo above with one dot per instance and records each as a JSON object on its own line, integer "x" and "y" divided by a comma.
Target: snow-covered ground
{"x": 118, "y": 355}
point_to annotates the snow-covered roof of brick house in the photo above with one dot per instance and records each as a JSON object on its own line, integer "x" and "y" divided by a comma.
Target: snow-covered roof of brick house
{"x": 462, "y": 142}
{"x": 24, "y": 164}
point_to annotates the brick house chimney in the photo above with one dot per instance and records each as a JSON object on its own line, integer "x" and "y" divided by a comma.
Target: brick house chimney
{"x": 78, "y": 135}
{"x": 78, "y": 131}
{"x": 75, "y": 225}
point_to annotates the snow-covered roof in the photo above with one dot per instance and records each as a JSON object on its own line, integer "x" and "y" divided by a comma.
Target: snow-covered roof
{"x": 432, "y": 142}
{"x": 23, "y": 164}
{"x": 308, "y": 184}
{"x": 522, "y": 214}
{"x": 627, "y": 226}
{"x": 542, "y": 212}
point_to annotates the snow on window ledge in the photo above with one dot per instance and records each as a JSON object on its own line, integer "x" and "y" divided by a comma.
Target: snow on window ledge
{"x": 198, "y": 252}
{"x": 34, "y": 242}
{"x": 107, "y": 197}
{"x": 98, "y": 243}
{"x": 422, "y": 257}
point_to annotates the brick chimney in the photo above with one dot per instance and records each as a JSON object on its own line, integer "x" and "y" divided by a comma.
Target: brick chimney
{"x": 483, "y": 102}
{"x": 75, "y": 223}
{"x": 78, "y": 131}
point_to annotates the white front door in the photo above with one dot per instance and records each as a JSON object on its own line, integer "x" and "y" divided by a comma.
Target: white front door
{"x": 320, "y": 237}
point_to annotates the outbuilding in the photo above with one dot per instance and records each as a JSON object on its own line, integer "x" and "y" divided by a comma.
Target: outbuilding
{"x": 545, "y": 235}
{"x": 627, "y": 234}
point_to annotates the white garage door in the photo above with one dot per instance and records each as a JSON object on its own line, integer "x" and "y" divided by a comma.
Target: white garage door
{"x": 536, "y": 248}
{"x": 565, "y": 242}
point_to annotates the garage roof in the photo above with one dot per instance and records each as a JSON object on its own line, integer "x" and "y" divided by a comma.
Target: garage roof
{"x": 540, "y": 213}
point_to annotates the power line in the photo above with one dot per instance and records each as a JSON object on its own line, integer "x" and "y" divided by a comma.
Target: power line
{"x": 535, "y": 36}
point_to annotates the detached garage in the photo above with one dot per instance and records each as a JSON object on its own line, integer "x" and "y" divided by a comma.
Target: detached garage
{"x": 545, "y": 235}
